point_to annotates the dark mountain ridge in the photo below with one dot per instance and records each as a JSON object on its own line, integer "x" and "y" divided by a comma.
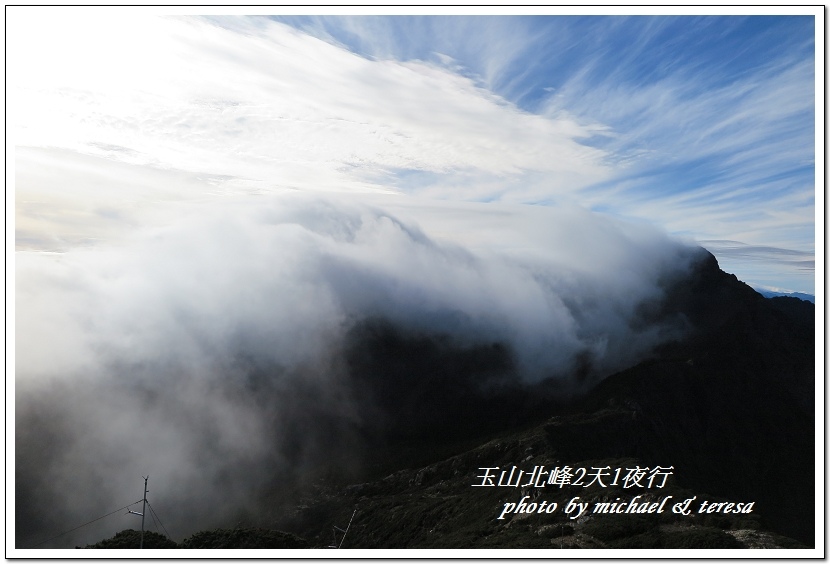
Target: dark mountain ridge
{"x": 730, "y": 407}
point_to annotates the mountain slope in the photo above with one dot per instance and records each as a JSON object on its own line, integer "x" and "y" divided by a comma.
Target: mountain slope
{"x": 730, "y": 408}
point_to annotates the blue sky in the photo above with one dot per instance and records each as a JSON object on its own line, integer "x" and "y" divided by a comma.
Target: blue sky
{"x": 193, "y": 190}
{"x": 707, "y": 122}
{"x": 702, "y": 125}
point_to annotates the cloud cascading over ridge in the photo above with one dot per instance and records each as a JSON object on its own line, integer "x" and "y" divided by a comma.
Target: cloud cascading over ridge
{"x": 220, "y": 221}
{"x": 219, "y": 347}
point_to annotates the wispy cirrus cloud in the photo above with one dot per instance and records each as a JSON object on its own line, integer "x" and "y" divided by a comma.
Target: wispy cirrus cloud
{"x": 255, "y": 99}
{"x": 706, "y": 124}
{"x": 209, "y": 323}
{"x": 703, "y": 125}
{"x": 718, "y": 140}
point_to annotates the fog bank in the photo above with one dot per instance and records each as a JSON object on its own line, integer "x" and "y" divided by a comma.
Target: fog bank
{"x": 222, "y": 353}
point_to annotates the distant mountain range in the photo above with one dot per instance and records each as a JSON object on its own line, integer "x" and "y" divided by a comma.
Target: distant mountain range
{"x": 801, "y": 296}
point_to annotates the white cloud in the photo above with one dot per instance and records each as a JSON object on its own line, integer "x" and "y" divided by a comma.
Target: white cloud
{"x": 251, "y": 105}
{"x": 171, "y": 161}
{"x": 159, "y": 346}
{"x": 260, "y": 101}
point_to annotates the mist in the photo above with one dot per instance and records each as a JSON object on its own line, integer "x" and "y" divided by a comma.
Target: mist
{"x": 259, "y": 344}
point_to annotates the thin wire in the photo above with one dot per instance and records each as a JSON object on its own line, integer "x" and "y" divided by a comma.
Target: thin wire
{"x": 153, "y": 512}
{"x": 154, "y": 521}
{"x": 85, "y": 524}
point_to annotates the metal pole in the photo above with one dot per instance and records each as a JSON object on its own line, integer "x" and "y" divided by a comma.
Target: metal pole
{"x": 347, "y": 529}
{"x": 143, "y": 511}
